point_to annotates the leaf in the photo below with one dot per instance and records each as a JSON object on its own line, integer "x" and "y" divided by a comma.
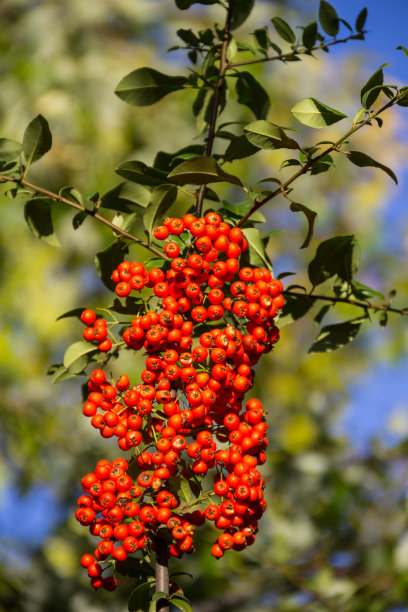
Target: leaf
{"x": 402, "y": 98}
{"x": 240, "y": 210}
{"x": 335, "y": 336}
{"x": 162, "y": 198}
{"x": 311, "y": 217}
{"x": 252, "y": 94}
{"x": 187, "y": 36}
{"x": 37, "y": 139}
{"x": 139, "y": 172}
{"x": 336, "y": 256}
{"x": 295, "y": 308}
{"x": 37, "y": 213}
{"x": 241, "y": 9}
{"x": 359, "y": 116}
{"x": 284, "y": 30}
{"x": 185, "y": 490}
{"x": 373, "y": 83}
{"x": 185, "y": 4}
{"x": 361, "y": 19}
{"x": 9, "y": 149}
{"x": 77, "y": 356}
{"x": 316, "y": 114}
{"x": 238, "y": 148}
{"x": 200, "y": 171}
{"x": 155, "y": 599}
{"x": 181, "y": 603}
{"x": 362, "y": 292}
{"x": 257, "y": 253}
{"x": 328, "y": 18}
{"x": 404, "y": 49}
{"x": 262, "y": 37}
{"x": 266, "y": 135}
{"x": 362, "y": 160}
{"x": 59, "y": 373}
{"x": 125, "y": 197}
{"x": 109, "y": 259}
{"x": 140, "y": 597}
{"x": 75, "y": 312}
{"x": 79, "y": 218}
{"x": 145, "y": 86}
{"x": 322, "y": 313}
{"x": 309, "y": 35}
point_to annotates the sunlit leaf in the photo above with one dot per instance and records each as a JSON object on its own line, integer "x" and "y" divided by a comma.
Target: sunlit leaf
{"x": 316, "y": 114}
{"x": 267, "y": 135}
{"x": 77, "y": 356}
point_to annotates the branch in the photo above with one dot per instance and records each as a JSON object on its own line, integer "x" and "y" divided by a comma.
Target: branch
{"x": 217, "y": 97}
{"x": 295, "y": 52}
{"x": 334, "y": 147}
{"x": 162, "y": 573}
{"x": 59, "y": 198}
{"x": 345, "y": 300}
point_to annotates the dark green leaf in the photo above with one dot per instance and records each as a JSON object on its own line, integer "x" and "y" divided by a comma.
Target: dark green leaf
{"x": 240, "y": 210}
{"x": 309, "y": 35}
{"x": 290, "y": 162}
{"x": 296, "y": 306}
{"x": 335, "y": 336}
{"x": 266, "y": 135}
{"x": 132, "y": 306}
{"x": 336, "y": 256}
{"x": 37, "y": 139}
{"x": 362, "y": 160}
{"x": 241, "y": 9}
{"x": 162, "y": 198}
{"x": 188, "y": 36}
{"x": 37, "y": 213}
{"x": 316, "y": 114}
{"x": 284, "y": 30}
{"x": 238, "y": 148}
{"x": 126, "y": 197}
{"x": 109, "y": 259}
{"x": 384, "y": 319}
{"x": 202, "y": 170}
{"x": 322, "y": 313}
{"x": 77, "y": 356}
{"x": 166, "y": 161}
{"x": 146, "y": 86}
{"x": 328, "y": 18}
{"x": 252, "y": 94}
{"x": 375, "y": 79}
{"x": 262, "y": 37}
{"x": 158, "y": 595}
{"x": 76, "y": 312}
{"x": 138, "y": 172}
{"x": 9, "y": 149}
{"x": 140, "y": 597}
{"x": 185, "y": 4}
{"x": 206, "y": 36}
{"x": 322, "y": 165}
{"x": 402, "y": 97}
{"x": 257, "y": 254}
{"x": 311, "y": 217}
{"x": 361, "y": 19}
{"x": 181, "y": 603}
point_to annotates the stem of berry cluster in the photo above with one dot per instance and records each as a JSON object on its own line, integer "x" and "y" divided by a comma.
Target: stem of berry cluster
{"x": 162, "y": 573}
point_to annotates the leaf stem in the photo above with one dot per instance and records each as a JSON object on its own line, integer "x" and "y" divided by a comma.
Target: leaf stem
{"x": 345, "y": 300}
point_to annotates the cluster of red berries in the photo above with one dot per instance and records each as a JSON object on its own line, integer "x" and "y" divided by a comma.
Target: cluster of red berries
{"x": 212, "y": 322}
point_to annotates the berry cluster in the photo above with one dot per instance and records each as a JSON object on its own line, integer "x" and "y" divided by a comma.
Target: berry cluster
{"x": 211, "y": 323}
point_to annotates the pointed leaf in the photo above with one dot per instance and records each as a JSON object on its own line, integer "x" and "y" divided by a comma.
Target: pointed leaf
{"x": 363, "y": 160}
{"x": 252, "y": 94}
{"x": 336, "y": 256}
{"x": 79, "y": 218}
{"x": 59, "y": 373}
{"x": 9, "y": 149}
{"x": 361, "y": 19}
{"x": 162, "y": 198}
{"x": 75, "y": 312}
{"x": 402, "y": 98}
{"x": 266, "y": 135}
{"x": 262, "y": 37}
{"x": 109, "y": 259}
{"x": 256, "y": 248}
{"x": 241, "y": 9}
{"x": 200, "y": 171}
{"x": 37, "y": 139}
{"x": 185, "y": 4}
{"x": 77, "y": 356}
{"x": 309, "y": 35}
{"x": 316, "y": 114}
{"x": 126, "y": 197}
{"x": 238, "y": 148}
{"x": 311, "y": 217}
{"x": 295, "y": 308}
{"x": 140, "y": 597}
{"x": 139, "y": 172}
{"x": 335, "y": 336}
{"x": 284, "y": 30}
{"x": 37, "y": 213}
{"x": 328, "y": 18}
{"x": 145, "y": 86}
{"x": 374, "y": 81}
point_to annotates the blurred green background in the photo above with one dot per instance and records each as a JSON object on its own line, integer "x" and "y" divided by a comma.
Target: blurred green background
{"x": 335, "y": 535}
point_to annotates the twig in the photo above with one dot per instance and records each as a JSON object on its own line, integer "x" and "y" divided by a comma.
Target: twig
{"x": 162, "y": 573}
{"x": 351, "y": 302}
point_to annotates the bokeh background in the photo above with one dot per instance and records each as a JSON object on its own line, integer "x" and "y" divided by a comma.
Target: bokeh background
{"x": 335, "y": 535}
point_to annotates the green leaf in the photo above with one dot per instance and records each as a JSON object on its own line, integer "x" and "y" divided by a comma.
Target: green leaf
{"x": 252, "y": 94}
{"x": 162, "y": 198}
{"x": 362, "y": 292}
{"x": 309, "y": 35}
{"x": 238, "y": 148}
{"x": 155, "y": 598}
{"x": 295, "y": 308}
{"x": 145, "y": 86}
{"x": 284, "y": 30}
{"x": 77, "y": 356}
{"x": 328, "y": 18}
{"x": 200, "y": 171}
{"x": 75, "y": 312}
{"x": 316, "y": 114}
{"x": 240, "y": 210}
{"x": 125, "y": 197}
{"x": 140, "y": 597}
{"x": 188, "y": 36}
{"x": 336, "y": 256}
{"x": 109, "y": 259}
{"x": 266, "y": 135}
{"x": 181, "y": 603}
{"x": 139, "y": 172}
{"x": 322, "y": 313}
{"x": 37, "y": 139}
{"x": 37, "y": 213}
{"x": 402, "y": 97}
{"x": 79, "y": 218}
{"x": 361, "y": 19}
{"x": 373, "y": 83}
{"x": 185, "y": 4}
{"x": 404, "y": 49}
{"x": 311, "y": 218}
{"x": 257, "y": 254}
{"x": 9, "y": 149}
{"x": 241, "y": 9}
{"x": 262, "y": 37}
{"x": 359, "y": 116}
{"x": 362, "y": 160}
{"x": 59, "y": 373}
{"x": 335, "y": 336}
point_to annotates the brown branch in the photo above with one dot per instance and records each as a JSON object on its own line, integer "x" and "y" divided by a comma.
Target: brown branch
{"x": 97, "y": 216}
{"x": 162, "y": 573}
{"x": 351, "y": 302}
{"x": 224, "y": 64}
{"x": 295, "y": 52}
{"x": 310, "y": 162}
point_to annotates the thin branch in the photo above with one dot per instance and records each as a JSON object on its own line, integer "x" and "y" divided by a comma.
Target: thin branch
{"x": 162, "y": 573}
{"x": 295, "y": 52}
{"x": 224, "y": 64}
{"x": 73, "y": 204}
{"x": 345, "y": 300}
{"x": 311, "y": 161}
